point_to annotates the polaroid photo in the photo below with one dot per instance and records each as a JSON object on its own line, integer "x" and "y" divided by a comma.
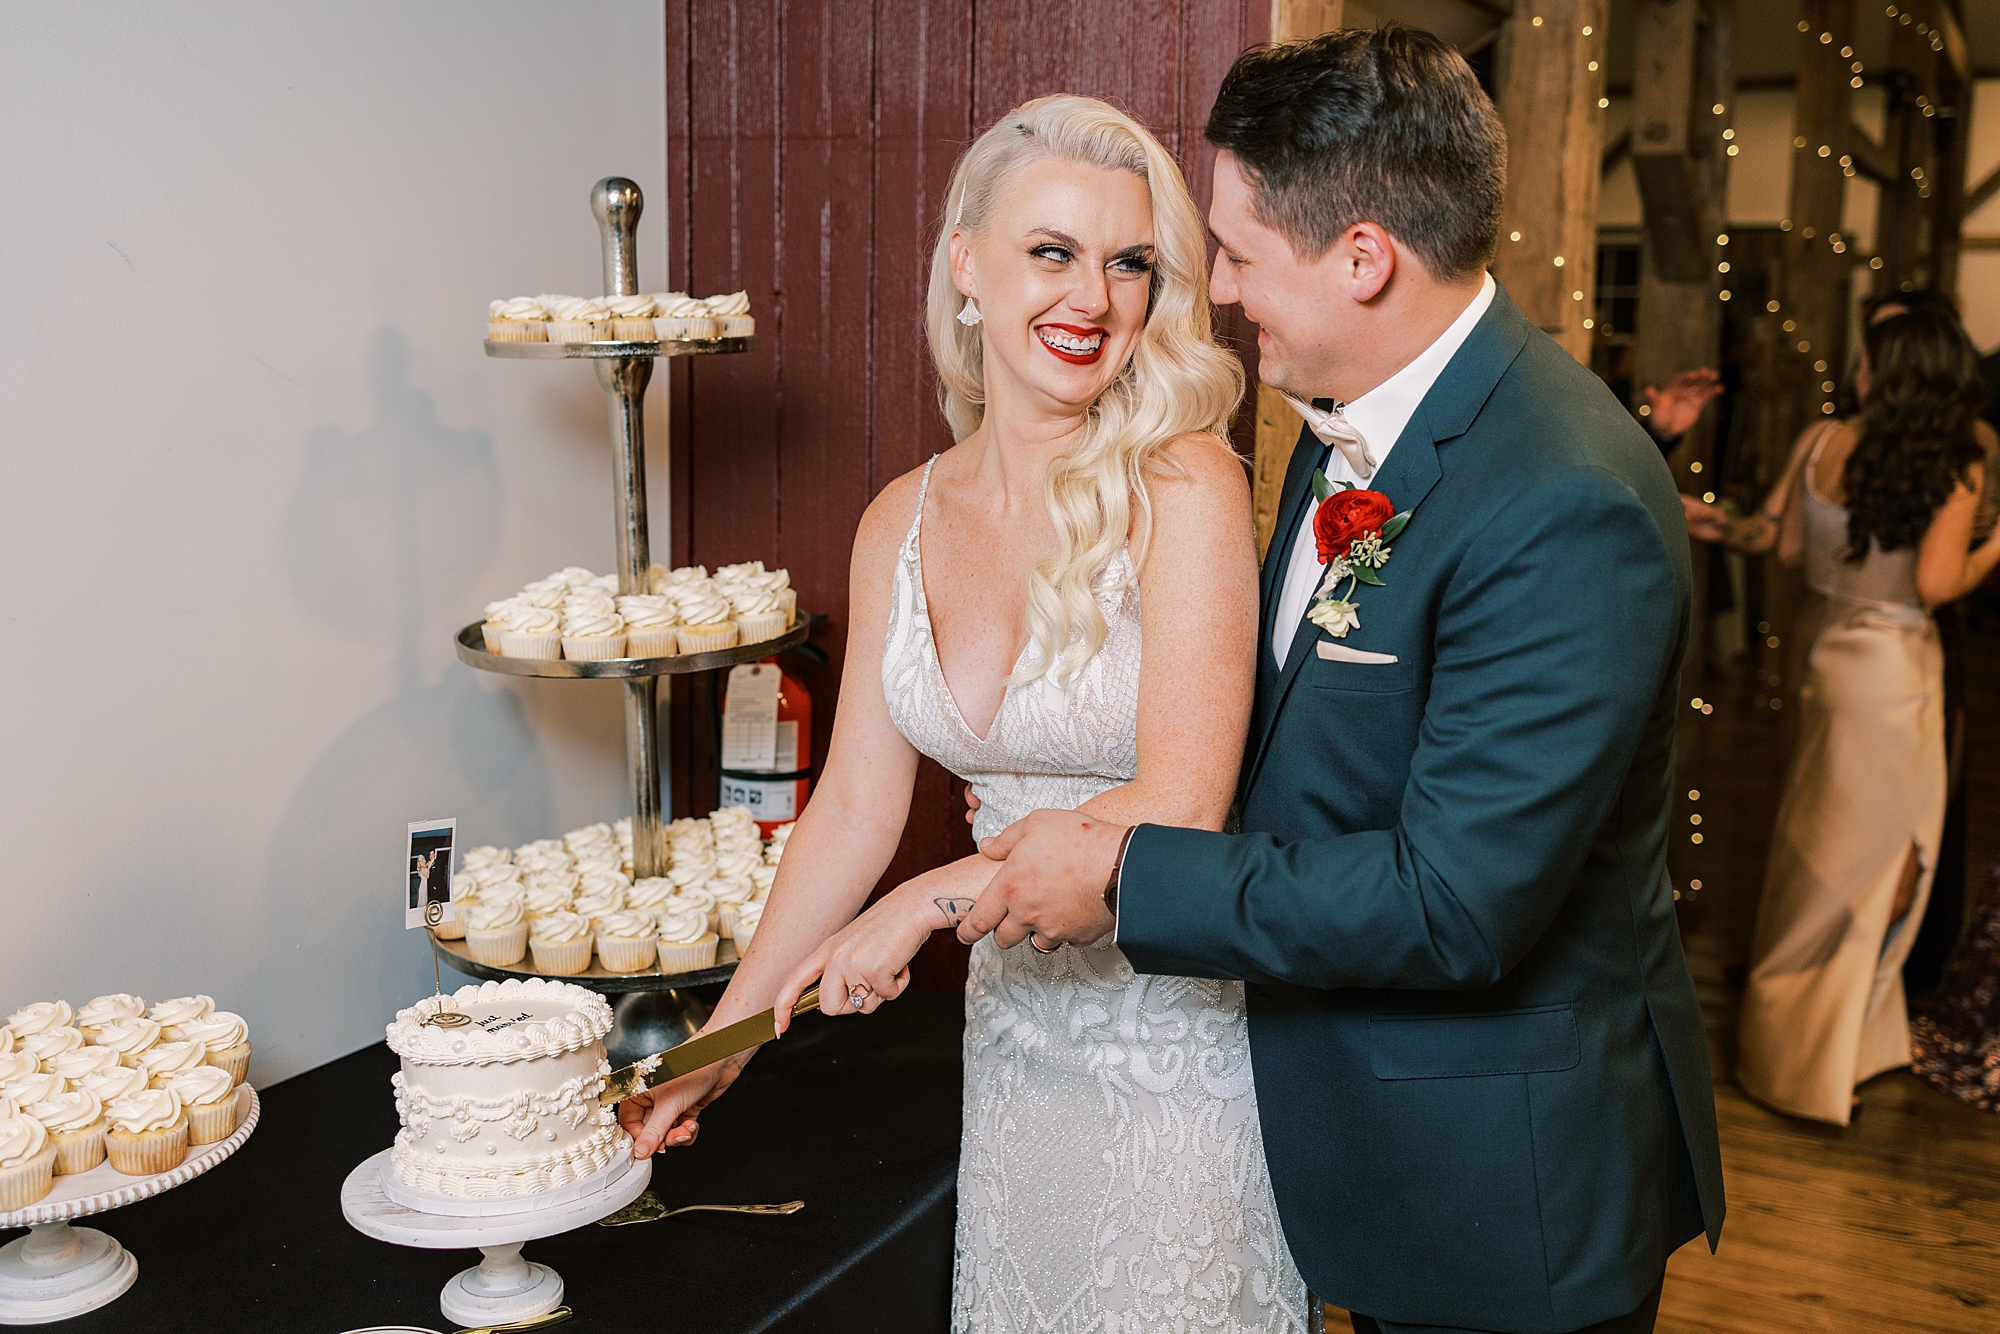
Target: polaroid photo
{"x": 427, "y": 900}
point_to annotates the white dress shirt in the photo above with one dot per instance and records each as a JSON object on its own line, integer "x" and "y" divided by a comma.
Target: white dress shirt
{"x": 1380, "y": 416}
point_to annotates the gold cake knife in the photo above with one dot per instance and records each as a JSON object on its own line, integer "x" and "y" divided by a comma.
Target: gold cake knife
{"x": 696, "y": 1052}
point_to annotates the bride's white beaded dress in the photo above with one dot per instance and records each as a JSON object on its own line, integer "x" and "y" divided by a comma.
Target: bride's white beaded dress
{"x": 1111, "y": 1174}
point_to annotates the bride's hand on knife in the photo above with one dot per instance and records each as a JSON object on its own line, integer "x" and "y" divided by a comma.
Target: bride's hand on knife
{"x": 867, "y": 962}
{"x": 664, "y": 1117}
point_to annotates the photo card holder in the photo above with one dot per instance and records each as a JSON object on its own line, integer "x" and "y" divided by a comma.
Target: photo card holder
{"x": 428, "y": 867}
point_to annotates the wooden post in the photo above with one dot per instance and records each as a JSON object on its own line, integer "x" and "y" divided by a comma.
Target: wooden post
{"x": 1277, "y": 425}
{"x": 1682, "y": 94}
{"x": 1551, "y": 67}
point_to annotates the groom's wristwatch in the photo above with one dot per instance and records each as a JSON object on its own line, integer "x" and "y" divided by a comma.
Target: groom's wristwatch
{"x": 1117, "y": 869}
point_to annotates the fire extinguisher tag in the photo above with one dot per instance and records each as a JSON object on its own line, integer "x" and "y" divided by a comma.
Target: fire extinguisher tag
{"x": 750, "y": 718}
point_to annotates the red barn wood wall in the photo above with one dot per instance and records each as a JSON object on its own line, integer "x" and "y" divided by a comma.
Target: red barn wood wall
{"x": 809, "y": 147}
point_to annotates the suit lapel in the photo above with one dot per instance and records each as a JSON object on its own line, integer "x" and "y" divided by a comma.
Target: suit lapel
{"x": 1291, "y": 509}
{"x": 1407, "y": 477}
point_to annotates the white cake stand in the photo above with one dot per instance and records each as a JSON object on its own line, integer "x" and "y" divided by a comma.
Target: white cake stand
{"x": 58, "y": 1271}
{"x": 503, "y": 1287}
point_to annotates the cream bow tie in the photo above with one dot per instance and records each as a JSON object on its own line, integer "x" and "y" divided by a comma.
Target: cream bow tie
{"x": 1333, "y": 429}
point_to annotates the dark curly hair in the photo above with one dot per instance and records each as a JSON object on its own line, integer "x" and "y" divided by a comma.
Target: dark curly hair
{"x": 1917, "y": 423}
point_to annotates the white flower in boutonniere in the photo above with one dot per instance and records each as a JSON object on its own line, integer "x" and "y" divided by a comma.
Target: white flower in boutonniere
{"x": 1352, "y": 529}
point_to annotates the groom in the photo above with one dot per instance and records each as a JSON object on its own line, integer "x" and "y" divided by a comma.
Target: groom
{"x": 1480, "y": 1065}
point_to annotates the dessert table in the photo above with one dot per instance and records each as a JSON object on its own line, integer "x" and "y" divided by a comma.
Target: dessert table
{"x": 858, "y": 1117}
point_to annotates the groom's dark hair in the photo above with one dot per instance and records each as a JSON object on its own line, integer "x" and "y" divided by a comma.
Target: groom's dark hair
{"x": 1386, "y": 125}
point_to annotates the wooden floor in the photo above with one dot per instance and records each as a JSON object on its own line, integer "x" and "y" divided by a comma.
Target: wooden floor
{"x": 1892, "y": 1224}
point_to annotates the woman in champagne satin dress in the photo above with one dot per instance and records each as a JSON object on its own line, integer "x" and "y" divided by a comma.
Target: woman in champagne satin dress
{"x": 1880, "y": 510}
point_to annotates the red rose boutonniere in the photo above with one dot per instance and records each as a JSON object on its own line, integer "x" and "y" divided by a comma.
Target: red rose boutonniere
{"x": 1352, "y": 528}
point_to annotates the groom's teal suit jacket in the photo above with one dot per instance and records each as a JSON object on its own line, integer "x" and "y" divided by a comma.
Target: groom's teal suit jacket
{"x": 1481, "y": 1070}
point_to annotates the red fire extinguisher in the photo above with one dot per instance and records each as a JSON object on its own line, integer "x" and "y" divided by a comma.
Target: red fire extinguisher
{"x": 766, "y": 761}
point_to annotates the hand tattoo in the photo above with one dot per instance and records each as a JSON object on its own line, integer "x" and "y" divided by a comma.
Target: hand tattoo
{"x": 954, "y": 910}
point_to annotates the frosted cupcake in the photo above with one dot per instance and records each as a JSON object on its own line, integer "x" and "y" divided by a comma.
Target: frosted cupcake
{"x": 761, "y": 878}
{"x": 650, "y": 625}
{"x": 208, "y": 1097}
{"x": 691, "y": 869}
{"x": 496, "y": 932}
{"x": 739, "y": 572}
{"x": 50, "y": 1043}
{"x": 493, "y": 629}
{"x": 23, "y": 1090}
{"x": 115, "y": 1083}
{"x": 561, "y": 943}
{"x": 757, "y": 614}
{"x": 650, "y": 894}
{"x": 747, "y": 917}
{"x": 519, "y": 320}
{"x": 532, "y": 632}
{"x": 695, "y": 898}
{"x": 588, "y": 836}
{"x": 171, "y": 1014}
{"x": 30, "y": 1019}
{"x": 75, "y": 1122}
{"x": 549, "y": 593}
{"x": 464, "y": 889}
{"x": 103, "y": 1010}
{"x": 560, "y": 880}
{"x": 542, "y": 900}
{"x": 775, "y": 849}
{"x": 731, "y": 892}
{"x": 732, "y": 315}
{"x": 27, "y": 1160}
{"x": 597, "y": 904}
{"x": 681, "y": 318}
{"x": 168, "y": 1059}
{"x": 130, "y": 1038}
{"x": 685, "y": 941}
{"x": 496, "y": 876}
{"x": 626, "y": 941}
{"x": 604, "y": 859}
{"x": 484, "y": 855}
{"x": 593, "y": 636}
{"x": 706, "y": 622}
{"x": 778, "y": 583}
{"x": 631, "y": 318}
{"x": 148, "y": 1133}
{"x": 679, "y": 577}
{"x": 225, "y": 1041}
{"x": 589, "y": 597}
{"x": 79, "y": 1065}
{"x": 573, "y": 576}
{"x": 577, "y": 319}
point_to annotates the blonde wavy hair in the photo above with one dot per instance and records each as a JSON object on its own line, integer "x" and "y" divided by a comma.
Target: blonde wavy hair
{"x": 1178, "y": 381}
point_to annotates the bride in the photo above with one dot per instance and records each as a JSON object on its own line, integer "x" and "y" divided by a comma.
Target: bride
{"x": 1111, "y": 1173}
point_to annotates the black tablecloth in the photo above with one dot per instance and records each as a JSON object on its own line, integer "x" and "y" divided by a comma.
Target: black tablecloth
{"x": 858, "y": 1117}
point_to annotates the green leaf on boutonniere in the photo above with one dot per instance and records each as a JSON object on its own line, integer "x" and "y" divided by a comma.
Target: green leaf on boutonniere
{"x": 1367, "y": 576}
{"x": 1321, "y": 487}
{"x": 1395, "y": 526}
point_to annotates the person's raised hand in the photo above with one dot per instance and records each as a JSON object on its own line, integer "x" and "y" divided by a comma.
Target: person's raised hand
{"x": 1676, "y": 407}
{"x": 1052, "y": 886}
{"x": 665, "y": 1117}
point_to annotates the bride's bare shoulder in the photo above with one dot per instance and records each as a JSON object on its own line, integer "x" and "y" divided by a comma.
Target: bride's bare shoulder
{"x": 1198, "y": 475}
{"x": 888, "y": 517}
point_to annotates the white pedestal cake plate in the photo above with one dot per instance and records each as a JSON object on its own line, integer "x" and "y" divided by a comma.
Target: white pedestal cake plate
{"x": 58, "y": 1271}
{"x": 503, "y": 1287}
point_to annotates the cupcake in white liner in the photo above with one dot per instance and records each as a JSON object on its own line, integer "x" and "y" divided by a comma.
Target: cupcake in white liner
{"x": 597, "y": 874}
{"x": 171, "y": 1014}
{"x": 148, "y": 1133}
{"x": 50, "y": 1043}
{"x": 130, "y": 1038}
{"x": 779, "y": 584}
{"x": 27, "y": 1160}
{"x": 761, "y": 878}
{"x": 706, "y": 621}
{"x": 607, "y": 582}
{"x": 577, "y": 319}
{"x": 651, "y": 625}
{"x": 598, "y": 903}
{"x": 167, "y": 1059}
{"x": 757, "y": 614}
{"x": 225, "y": 1039}
{"x": 686, "y": 941}
{"x": 693, "y": 898}
{"x": 532, "y": 632}
{"x": 682, "y": 318}
{"x": 496, "y": 879}
{"x": 496, "y": 932}
{"x": 208, "y": 1096}
{"x": 679, "y": 577}
{"x": 15, "y": 1064}
{"x": 493, "y": 627}
{"x": 739, "y": 572}
{"x": 38, "y": 1016}
{"x": 603, "y": 859}
{"x": 563, "y": 879}
{"x": 589, "y": 597}
{"x": 588, "y": 836}
{"x": 79, "y": 1065}
{"x": 548, "y": 594}
{"x": 593, "y": 636}
{"x": 631, "y": 318}
{"x": 115, "y": 1083}
{"x": 101, "y": 1010}
{"x": 731, "y": 892}
{"x": 561, "y": 943}
{"x": 626, "y": 941}
{"x": 650, "y": 894}
{"x": 692, "y": 868}
{"x": 732, "y": 315}
{"x": 745, "y": 925}
{"x": 518, "y": 320}
{"x": 75, "y": 1122}
{"x": 543, "y": 899}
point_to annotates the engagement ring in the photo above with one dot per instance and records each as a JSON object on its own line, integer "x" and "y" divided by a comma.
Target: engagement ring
{"x": 857, "y": 995}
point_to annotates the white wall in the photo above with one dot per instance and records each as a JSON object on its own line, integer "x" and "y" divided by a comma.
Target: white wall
{"x": 254, "y": 470}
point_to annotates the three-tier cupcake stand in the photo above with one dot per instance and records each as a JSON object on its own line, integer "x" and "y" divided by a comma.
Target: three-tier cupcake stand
{"x": 653, "y": 1010}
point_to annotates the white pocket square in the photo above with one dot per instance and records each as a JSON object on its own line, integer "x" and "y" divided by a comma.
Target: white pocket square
{"x": 1333, "y": 652}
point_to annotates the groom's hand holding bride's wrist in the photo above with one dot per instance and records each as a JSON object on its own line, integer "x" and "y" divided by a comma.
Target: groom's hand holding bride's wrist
{"x": 1057, "y": 865}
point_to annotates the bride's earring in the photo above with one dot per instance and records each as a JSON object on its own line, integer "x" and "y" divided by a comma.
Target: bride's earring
{"x": 968, "y": 314}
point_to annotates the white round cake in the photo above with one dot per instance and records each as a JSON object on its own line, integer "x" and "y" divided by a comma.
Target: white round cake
{"x": 506, "y": 1105}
